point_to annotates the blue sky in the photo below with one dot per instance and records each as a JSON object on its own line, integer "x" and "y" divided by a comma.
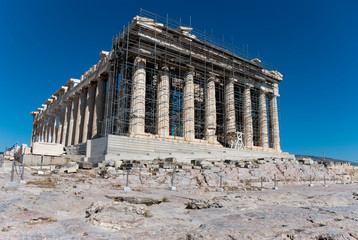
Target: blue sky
{"x": 313, "y": 44}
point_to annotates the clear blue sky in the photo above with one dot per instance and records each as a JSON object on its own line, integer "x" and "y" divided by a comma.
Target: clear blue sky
{"x": 313, "y": 43}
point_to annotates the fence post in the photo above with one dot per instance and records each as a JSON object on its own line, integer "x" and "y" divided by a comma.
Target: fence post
{"x": 22, "y": 181}
{"x": 12, "y": 171}
{"x": 220, "y": 188}
{"x": 311, "y": 185}
{"x": 172, "y": 187}
{"x": 324, "y": 181}
{"x": 127, "y": 188}
{"x": 275, "y": 183}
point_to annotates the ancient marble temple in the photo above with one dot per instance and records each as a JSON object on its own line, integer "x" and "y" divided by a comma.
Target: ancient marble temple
{"x": 164, "y": 90}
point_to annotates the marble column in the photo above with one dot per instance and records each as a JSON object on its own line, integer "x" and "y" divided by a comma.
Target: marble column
{"x": 230, "y": 117}
{"x": 90, "y": 101}
{"x": 210, "y": 111}
{"x": 53, "y": 129}
{"x": 77, "y": 118}
{"x": 33, "y": 134}
{"x": 43, "y": 130}
{"x": 70, "y": 107}
{"x": 47, "y": 130}
{"x": 263, "y": 119}
{"x": 248, "y": 134}
{"x": 163, "y": 103}
{"x": 94, "y": 114}
{"x": 110, "y": 96}
{"x": 137, "y": 120}
{"x": 99, "y": 108}
{"x": 64, "y": 123}
{"x": 84, "y": 116}
{"x": 59, "y": 126}
{"x": 188, "y": 106}
{"x": 40, "y": 130}
{"x": 275, "y": 132}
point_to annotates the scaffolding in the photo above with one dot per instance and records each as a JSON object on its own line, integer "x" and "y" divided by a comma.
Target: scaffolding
{"x": 168, "y": 46}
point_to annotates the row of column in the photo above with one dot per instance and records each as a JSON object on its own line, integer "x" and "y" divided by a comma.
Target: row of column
{"x": 79, "y": 118}
{"x": 137, "y": 119}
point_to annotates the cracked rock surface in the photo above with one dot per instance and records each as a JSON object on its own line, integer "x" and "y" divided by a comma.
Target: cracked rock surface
{"x": 84, "y": 205}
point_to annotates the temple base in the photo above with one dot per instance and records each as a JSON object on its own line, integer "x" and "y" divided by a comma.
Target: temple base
{"x": 113, "y": 147}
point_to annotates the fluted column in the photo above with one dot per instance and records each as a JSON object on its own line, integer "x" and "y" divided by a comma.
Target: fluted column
{"x": 65, "y": 123}
{"x": 58, "y": 125}
{"x": 77, "y": 118}
{"x": 40, "y": 130}
{"x": 99, "y": 108}
{"x": 70, "y": 107}
{"x": 230, "y": 106}
{"x": 39, "y": 133}
{"x": 263, "y": 119}
{"x": 61, "y": 113}
{"x": 210, "y": 111}
{"x": 53, "y": 129}
{"x": 33, "y": 134}
{"x": 94, "y": 114}
{"x": 163, "y": 103}
{"x": 43, "y": 130}
{"x": 108, "y": 126}
{"x": 188, "y": 106}
{"x": 84, "y": 115}
{"x": 91, "y": 101}
{"x": 47, "y": 130}
{"x": 248, "y": 135}
{"x": 275, "y": 132}
{"x": 137, "y": 120}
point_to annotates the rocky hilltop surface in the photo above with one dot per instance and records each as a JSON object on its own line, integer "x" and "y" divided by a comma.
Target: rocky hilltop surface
{"x": 91, "y": 203}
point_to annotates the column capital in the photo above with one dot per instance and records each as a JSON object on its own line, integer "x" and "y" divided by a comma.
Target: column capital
{"x": 139, "y": 59}
{"x": 191, "y": 68}
{"x": 264, "y": 89}
{"x": 164, "y": 68}
{"x": 232, "y": 79}
{"x": 211, "y": 77}
{"x": 249, "y": 85}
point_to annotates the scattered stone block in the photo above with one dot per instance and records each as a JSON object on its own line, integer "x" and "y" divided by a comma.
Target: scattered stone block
{"x": 85, "y": 165}
{"x": 117, "y": 164}
{"x": 49, "y": 149}
{"x": 172, "y": 188}
{"x": 203, "y": 203}
{"x": 10, "y": 185}
{"x": 70, "y": 167}
{"x": 186, "y": 167}
{"x": 22, "y": 181}
{"x": 170, "y": 160}
{"x": 219, "y": 164}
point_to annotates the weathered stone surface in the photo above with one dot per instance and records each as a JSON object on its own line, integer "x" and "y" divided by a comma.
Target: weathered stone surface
{"x": 50, "y": 149}
{"x": 294, "y": 211}
{"x": 85, "y": 165}
{"x": 203, "y": 203}
{"x": 105, "y": 215}
{"x": 70, "y": 167}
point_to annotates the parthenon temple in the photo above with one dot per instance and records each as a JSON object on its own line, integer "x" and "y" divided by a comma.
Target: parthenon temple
{"x": 166, "y": 90}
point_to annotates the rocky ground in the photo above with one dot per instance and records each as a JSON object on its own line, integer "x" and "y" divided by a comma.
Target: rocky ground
{"x": 91, "y": 204}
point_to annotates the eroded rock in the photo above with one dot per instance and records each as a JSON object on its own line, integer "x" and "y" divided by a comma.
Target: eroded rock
{"x": 135, "y": 200}
{"x": 117, "y": 215}
{"x": 203, "y": 203}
